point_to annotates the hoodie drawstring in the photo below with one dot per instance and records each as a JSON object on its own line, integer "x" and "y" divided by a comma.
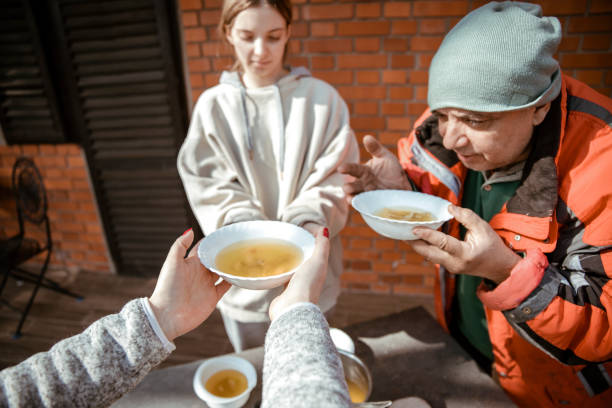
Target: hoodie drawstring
{"x": 233, "y": 79}
{"x": 247, "y": 124}
{"x": 281, "y": 127}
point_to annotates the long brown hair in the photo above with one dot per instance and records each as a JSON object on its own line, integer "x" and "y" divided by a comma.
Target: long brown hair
{"x": 231, "y": 8}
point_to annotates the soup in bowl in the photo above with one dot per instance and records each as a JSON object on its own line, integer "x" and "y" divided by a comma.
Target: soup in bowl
{"x": 225, "y": 381}
{"x": 256, "y": 254}
{"x": 357, "y": 376}
{"x": 394, "y": 213}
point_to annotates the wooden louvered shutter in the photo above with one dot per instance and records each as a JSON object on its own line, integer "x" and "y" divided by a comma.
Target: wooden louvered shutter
{"x": 28, "y": 105}
{"x": 123, "y": 56}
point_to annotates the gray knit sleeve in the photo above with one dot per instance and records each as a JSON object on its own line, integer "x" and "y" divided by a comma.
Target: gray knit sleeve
{"x": 301, "y": 365}
{"x": 91, "y": 369}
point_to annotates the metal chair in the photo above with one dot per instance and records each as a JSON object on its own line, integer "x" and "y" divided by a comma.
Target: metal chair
{"x": 31, "y": 200}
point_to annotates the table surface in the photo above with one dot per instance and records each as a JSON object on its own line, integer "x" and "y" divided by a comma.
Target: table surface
{"x": 408, "y": 354}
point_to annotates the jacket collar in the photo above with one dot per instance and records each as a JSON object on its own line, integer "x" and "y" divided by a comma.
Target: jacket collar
{"x": 537, "y": 194}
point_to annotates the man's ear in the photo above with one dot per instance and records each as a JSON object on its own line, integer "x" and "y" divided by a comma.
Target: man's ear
{"x": 540, "y": 113}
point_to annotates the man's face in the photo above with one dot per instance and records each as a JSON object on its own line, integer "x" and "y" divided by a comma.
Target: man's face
{"x": 489, "y": 140}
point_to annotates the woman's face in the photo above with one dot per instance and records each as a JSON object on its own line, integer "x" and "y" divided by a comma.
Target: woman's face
{"x": 259, "y": 35}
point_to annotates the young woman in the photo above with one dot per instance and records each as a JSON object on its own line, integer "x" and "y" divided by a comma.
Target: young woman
{"x": 265, "y": 144}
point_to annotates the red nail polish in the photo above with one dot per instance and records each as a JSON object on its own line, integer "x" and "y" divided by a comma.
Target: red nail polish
{"x": 187, "y": 231}
{"x": 325, "y": 232}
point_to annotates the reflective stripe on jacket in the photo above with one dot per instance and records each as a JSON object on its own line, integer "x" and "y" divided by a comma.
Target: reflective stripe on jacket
{"x": 554, "y": 348}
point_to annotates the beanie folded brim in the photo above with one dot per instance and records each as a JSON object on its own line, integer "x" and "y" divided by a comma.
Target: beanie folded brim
{"x": 454, "y": 97}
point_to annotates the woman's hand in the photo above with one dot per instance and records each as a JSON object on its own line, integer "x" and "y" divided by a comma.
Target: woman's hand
{"x": 314, "y": 228}
{"x": 307, "y": 282}
{"x": 481, "y": 253}
{"x": 185, "y": 294}
{"x": 382, "y": 171}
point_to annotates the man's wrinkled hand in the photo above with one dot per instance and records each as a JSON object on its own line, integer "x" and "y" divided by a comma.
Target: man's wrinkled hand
{"x": 482, "y": 252}
{"x": 382, "y": 171}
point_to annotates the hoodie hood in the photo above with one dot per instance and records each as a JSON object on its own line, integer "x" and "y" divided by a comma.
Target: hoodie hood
{"x": 233, "y": 77}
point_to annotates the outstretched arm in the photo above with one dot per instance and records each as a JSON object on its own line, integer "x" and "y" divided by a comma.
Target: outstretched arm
{"x": 114, "y": 354}
{"x": 382, "y": 171}
{"x": 536, "y": 295}
{"x": 301, "y": 365}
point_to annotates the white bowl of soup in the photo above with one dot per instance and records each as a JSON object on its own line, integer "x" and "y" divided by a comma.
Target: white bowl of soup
{"x": 394, "y": 213}
{"x": 225, "y": 381}
{"x": 256, "y": 254}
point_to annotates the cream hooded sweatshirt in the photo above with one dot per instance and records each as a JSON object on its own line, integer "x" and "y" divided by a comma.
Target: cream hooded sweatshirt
{"x": 269, "y": 153}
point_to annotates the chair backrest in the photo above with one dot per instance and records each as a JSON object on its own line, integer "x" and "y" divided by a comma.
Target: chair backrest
{"x": 30, "y": 193}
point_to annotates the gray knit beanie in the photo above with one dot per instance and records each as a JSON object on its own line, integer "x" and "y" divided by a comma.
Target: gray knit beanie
{"x": 497, "y": 58}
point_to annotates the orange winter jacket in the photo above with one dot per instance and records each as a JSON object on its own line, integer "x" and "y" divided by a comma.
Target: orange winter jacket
{"x": 550, "y": 321}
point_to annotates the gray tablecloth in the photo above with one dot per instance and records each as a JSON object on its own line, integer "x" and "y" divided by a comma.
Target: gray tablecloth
{"x": 408, "y": 354}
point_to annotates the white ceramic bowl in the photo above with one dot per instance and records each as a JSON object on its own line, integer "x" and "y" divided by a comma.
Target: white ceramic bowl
{"x": 341, "y": 340}
{"x": 371, "y": 202}
{"x": 215, "y": 364}
{"x": 212, "y": 244}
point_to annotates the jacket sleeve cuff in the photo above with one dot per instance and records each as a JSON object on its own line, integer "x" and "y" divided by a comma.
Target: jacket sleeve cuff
{"x": 168, "y": 345}
{"x": 302, "y": 215}
{"x": 524, "y": 279}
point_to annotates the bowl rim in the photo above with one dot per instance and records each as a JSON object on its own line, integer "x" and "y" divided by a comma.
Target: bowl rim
{"x": 254, "y": 279}
{"x": 279, "y": 276}
{"x": 447, "y": 216}
{"x": 204, "y": 394}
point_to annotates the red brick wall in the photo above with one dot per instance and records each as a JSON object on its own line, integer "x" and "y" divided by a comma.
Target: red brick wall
{"x": 377, "y": 53}
{"x": 76, "y": 230}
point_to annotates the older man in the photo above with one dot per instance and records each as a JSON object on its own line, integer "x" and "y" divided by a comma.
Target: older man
{"x": 525, "y": 267}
